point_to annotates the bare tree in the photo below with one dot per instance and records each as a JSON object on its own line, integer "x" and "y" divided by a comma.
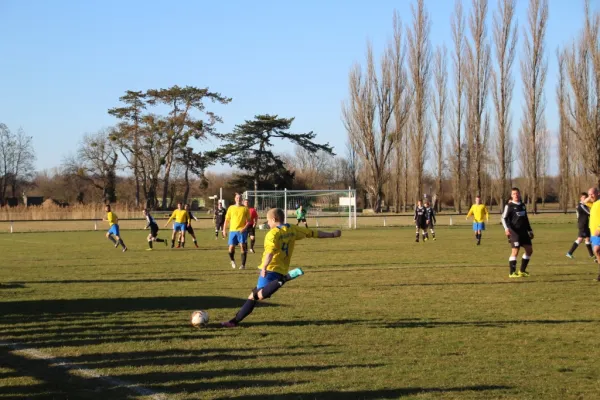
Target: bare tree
{"x": 16, "y": 160}
{"x": 439, "y": 103}
{"x": 419, "y": 65}
{"x": 533, "y": 70}
{"x": 505, "y": 39}
{"x": 477, "y": 79}
{"x": 583, "y": 105}
{"x": 370, "y": 116}
{"x": 563, "y": 133}
{"x": 458, "y": 37}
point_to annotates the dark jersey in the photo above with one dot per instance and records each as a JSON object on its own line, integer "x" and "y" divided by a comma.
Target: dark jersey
{"x": 515, "y": 218}
{"x": 220, "y": 215}
{"x": 583, "y": 216}
{"x": 430, "y": 214}
{"x": 150, "y": 221}
{"x": 420, "y": 216}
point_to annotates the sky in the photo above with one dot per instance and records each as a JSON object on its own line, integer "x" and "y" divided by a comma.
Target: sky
{"x": 63, "y": 64}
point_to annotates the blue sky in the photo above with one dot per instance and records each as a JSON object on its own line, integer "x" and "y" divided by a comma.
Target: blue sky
{"x": 64, "y": 63}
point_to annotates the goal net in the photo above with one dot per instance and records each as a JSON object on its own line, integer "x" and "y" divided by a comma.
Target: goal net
{"x": 323, "y": 208}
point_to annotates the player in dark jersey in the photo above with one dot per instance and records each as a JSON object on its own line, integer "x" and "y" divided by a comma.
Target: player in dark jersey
{"x": 153, "y": 226}
{"x": 219, "y": 219}
{"x": 583, "y": 223}
{"x": 519, "y": 233}
{"x": 189, "y": 228}
{"x": 420, "y": 219}
{"x": 430, "y": 213}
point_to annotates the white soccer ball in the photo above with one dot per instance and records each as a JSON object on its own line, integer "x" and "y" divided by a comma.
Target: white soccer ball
{"x": 199, "y": 318}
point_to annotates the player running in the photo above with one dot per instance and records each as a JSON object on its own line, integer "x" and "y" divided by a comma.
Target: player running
{"x": 219, "y": 220}
{"x": 420, "y": 219}
{"x": 279, "y": 247}
{"x": 479, "y": 212}
{"x": 430, "y": 215}
{"x": 153, "y": 235}
{"x": 113, "y": 229}
{"x": 519, "y": 233}
{"x": 583, "y": 223}
{"x": 238, "y": 217}
{"x": 182, "y": 220}
{"x": 189, "y": 228}
{"x": 595, "y": 223}
{"x": 252, "y": 227}
{"x": 301, "y": 215}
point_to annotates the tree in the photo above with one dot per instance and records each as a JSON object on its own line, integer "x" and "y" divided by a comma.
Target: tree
{"x": 193, "y": 163}
{"x": 16, "y": 160}
{"x": 248, "y": 147}
{"x": 439, "y": 104}
{"x": 505, "y": 38}
{"x": 533, "y": 71}
{"x": 458, "y": 37}
{"x": 419, "y": 64}
{"x": 375, "y": 114}
{"x": 563, "y": 133}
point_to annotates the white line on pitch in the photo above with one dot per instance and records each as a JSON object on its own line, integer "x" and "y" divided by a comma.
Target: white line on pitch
{"x": 80, "y": 371}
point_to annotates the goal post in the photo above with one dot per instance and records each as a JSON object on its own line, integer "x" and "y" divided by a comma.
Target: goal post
{"x": 324, "y": 208}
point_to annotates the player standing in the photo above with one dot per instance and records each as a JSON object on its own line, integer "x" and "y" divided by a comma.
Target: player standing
{"x": 189, "y": 228}
{"x": 595, "y": 223}
{"x": 518, "y": 230}
{"x": 430, "y": 215}
{"x": 113, "y": 229}
{"x": 238, "y": 217}
{"x": 420, "y": 219}
{"x": 479, "y": 212}
{"x": 279, "y": 247}
{"x": 583, "y": 223}
{"x": 182, "y": 219}
{"x": 219, "y": 220}
{"x": 253, "y": 222}
{"x": 301, "y": 215}
{"x": 153, "y": 236}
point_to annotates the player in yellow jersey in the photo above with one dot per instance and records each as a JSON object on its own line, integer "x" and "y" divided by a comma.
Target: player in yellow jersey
{"x": 238, "y": 220}
{"x": 479, "y": 212}
{"x": 113, "y": 223}
{"x": 279, "y": 247}
{"x": 182, "y": 220}
{"x": 595, "y": 223}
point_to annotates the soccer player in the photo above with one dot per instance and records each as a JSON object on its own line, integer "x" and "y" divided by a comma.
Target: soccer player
{"x": 182, "y": 219}
{"x": 420, "y": 219}
{"x": 279, "y": 247}
{"x": 430, "y": 215}
{"x": 301, "y": 215}
{"x": 518, "y": 230}
{"x": 595, "y": 223}
{"x": 583, "y": 223}
{"x": 253, "y": 222}
{"x": 189, "y": 228}
{"x": 153, "y": 235}
{"x": 219, "y": 219}
{"x": 113, "y": 229}
{"x": 238, "y": 217}
{"x": 479, "y": 212}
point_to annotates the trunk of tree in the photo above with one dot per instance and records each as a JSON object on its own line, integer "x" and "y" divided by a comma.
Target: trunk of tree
{"x": 168, "y": 165}
{"x": 186, "y": 177}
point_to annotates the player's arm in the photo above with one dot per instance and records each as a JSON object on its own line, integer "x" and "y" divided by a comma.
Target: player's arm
{"x": 470, "y": 212}
{"x": 227, "y": 219}
{"x": 248, "y": 220}
{"x": 487, "y": 214}
{"x": 506, "y": 215}
{"x": 170, "y": 219}
{"x": 147, "y": 222}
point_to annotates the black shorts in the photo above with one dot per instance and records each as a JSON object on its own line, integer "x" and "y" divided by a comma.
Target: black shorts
{"x": 190, "y": 230}
{"x": 584, "y": 232}
{"x": 251, "y": 231}
{"x": 301, "y": 220}
{"x": 431, "y": 225}
{"x": 421, "y": 225}
{"x": 153, "y": 230}
{"x": 219, "y": 226}
{"x": 518, "y": 239}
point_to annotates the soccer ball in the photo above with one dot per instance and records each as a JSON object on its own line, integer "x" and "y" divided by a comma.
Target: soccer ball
{"x": 199, "y": 318}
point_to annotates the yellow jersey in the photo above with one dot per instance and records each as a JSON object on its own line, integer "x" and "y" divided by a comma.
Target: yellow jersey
{"x": 479, "y": 211}
{"x": 180, "y": 216}
{"x": 238, "y": 217}
{"x": 595, "y": 217}
{"x": 112, "y": 218}
{"x": 280, "y": 242}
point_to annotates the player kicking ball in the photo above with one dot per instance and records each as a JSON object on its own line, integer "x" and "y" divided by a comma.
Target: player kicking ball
{"x": 279, "y": 247}
{"x": 113, "y": 229}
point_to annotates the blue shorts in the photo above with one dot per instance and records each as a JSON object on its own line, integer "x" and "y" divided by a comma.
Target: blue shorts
{"x": 236, "y": 238}
{"x": 270, "y": 277}
{"x": 595, "y": 240}
{"x": 478, "y": 226}
{"x": 179, "y": 227}
{"x": 114, "y": 230}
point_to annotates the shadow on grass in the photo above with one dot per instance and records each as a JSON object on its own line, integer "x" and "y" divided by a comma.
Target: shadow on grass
{"x": 12, "y": 285}
{"x": 374, "y": 394}
{"x": 108, "y": 281}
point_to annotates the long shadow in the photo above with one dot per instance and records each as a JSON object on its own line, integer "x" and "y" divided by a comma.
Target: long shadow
{"x": 512, "y": 282}
{"x": 108, "y": 281}
{"x": 12, "y": 285}
{"x": 373, "y": 394}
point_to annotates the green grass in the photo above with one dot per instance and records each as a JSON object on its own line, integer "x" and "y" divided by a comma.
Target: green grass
{"x": 375, "y": 316}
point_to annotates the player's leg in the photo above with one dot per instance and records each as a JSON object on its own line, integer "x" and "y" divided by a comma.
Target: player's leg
{"x": 173, "y": 235}
{"x": 154, "y": 233}
{"x": 417, "y": 233}
{"x": 432, "y": 229}
{"x": 512, "y": 260}
{"x": 574, "y": 247}
{"x": 150, "y": 240}
{"x": 305, "y": 223}
{"x": 110, "y": 237}
{"x": 190, "y": 230}
{"x": 252, "y": 241}
{"x": 233, "y": 241}
{"x": 216, "y": 231}
{"x": 120, "y": 241}
{"x": 244, "y": 248}
{"x": 525, "y": 260}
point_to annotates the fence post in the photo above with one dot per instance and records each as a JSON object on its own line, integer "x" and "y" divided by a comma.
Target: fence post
{"x": 384, "y": 224}
{"x": 95, "y": 225}
{"x": 451, "y": 220}
{"x": 317, "y": 222}
{"x": 11, "y": 227}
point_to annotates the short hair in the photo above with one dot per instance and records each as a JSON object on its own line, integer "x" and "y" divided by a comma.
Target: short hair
{"x": 145, "y": 210}
{"x": 478, "y": 196}
{"x": 107, "y": 207}
{"x": 583, "y": 194}
{"x": 515, "y": 189}
{"x": 277, "y": 214}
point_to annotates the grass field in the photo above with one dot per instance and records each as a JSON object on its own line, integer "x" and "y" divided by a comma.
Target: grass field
{"x": 375, "y": 316}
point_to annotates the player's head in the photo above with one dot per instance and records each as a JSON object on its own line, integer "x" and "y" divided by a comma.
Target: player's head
{"x": 593, "y": 194}
{"x": 219, "y": 204}
{"x": 246, "y": 203}
{"x": 238, "y": 199}
{"x": 515, "y": 195}
{"x": 419, "y": 203}
{"x": 583, "y": 196}
{"x": 426, "y": 203}
{"x": 107, "y": 208}
{"x": 179, "y": 206}
{"x": 478, "y": 199}
{"x": 187, "y": 207}
{"x": 275, "y": 217}
{"x": 145, "y": 211}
